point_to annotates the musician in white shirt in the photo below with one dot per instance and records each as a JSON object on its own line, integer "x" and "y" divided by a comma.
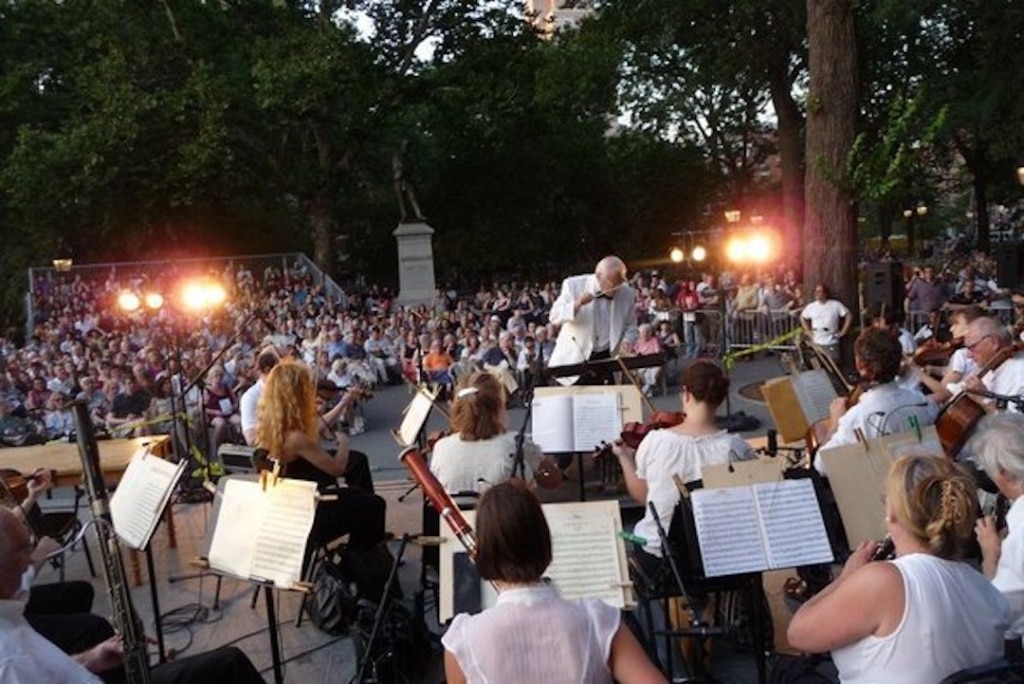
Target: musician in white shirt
{"x": 998, "y": 448}
{"x": 885, "y": 407}
{"x": 987, "y": 340}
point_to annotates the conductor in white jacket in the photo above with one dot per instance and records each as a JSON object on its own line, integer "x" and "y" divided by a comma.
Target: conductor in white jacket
{"x": 597, "y": 315}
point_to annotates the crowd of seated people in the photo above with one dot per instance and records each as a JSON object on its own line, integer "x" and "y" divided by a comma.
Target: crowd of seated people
{"x": 129, "y": 366}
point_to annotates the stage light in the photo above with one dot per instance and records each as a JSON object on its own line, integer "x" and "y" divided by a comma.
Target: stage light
{"x": 1020, "y": 175}
{"x": 128, "y": 301}
{"x": 62, "y": 265}
{"x": 202, "y": 294}
{"x": 736, "y": 250}
{"x": 153, "y": 300}
{"x": 759, "y": 248}
{"x": 676, "y": 255}
{"x": 699, "y": 253}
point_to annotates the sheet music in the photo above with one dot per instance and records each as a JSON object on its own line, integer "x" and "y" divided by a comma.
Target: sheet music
{"x": 415, "y": 417}
{"x": 281, "y": 542}
{"x": 794, "y": 531}
{"x": 729, "y": 531}
{"x": 815, "y": 393}
{"x": 552, "y": 417}
{"x": 585, "y": 552}
{"x": 262, "y": 534}
{"x": 596, "y": 419}
{"x": 141, "y": 496}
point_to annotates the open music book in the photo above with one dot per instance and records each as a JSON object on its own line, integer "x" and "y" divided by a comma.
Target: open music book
{"x": 141, "y": 496}
{"x": 261, "y": 534}
{"x": 764, "y": 526}
{"x": 566, "y": 423}
{"x": 797, "y": 401}
{"x": 588, "y": 560}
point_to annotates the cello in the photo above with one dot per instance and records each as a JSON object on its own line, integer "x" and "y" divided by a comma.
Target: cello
{"x": 959, "y": 415}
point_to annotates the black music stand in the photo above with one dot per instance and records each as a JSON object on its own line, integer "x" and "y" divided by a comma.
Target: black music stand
{"x": 602, "y": 367}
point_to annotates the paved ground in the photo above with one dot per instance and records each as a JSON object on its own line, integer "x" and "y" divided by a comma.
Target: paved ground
{"x": 311, "y": 655}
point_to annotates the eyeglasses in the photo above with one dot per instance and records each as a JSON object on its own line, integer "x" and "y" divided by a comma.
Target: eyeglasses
{"x": 970, "y": 347}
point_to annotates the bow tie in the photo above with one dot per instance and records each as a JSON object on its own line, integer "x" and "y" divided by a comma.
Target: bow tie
{"x": 602, "y": 295}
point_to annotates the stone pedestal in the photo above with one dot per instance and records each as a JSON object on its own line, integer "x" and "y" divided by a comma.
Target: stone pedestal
{"x": 416, "y": 283}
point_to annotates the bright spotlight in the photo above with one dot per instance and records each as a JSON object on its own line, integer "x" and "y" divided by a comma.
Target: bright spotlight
{"x": 676, "y": 255}
{"x": 193, "y": 296}
{"x": 154, "y": 300}
{"x": 759, "y": 248}
{"x": 736, "y": 250}
{"x": 215, "y": 294}
{"x": 202, "y": 294}
{"x": 128, "y": 301}
{"x": 699, "y": 253}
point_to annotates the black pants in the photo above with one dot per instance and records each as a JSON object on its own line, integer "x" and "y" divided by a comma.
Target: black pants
{"x": 356, "y": 513}
{"x": 60, "y": 612}
{"x": 224, "y": 666}
{"x": 357, "y": 472}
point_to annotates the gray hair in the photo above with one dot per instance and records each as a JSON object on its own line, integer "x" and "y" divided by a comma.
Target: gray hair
{"x": 998, "y": 445}
{"x": 987, "y": 325}
{"x": 612, "y": 265}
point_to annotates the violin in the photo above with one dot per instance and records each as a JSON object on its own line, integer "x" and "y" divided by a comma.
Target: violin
{"x": 13, "y": 486}
{"x": 933, "y": 353}
{"x": 633, "y": 433}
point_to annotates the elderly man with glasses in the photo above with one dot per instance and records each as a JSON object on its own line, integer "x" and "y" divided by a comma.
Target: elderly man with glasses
{"x": 990, "y": 344}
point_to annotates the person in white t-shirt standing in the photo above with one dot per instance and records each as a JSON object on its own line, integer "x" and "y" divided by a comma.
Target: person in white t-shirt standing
{"x": 826, "y": 320}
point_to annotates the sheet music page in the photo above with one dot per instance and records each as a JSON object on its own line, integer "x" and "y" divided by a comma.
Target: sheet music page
{"x": 794, "y": 531}
{"x": 239, "y": 520}
{"x": 596, "y": 419}
{"x": 280, "y": 543}
{"x": 815, "y": 392}
{"x": 415, "y": 417}
{"x": 586, "y": 560}
{"x": 141, "y": 496}
{"x": 552, "y": 423}
{"x": 729, "y": 531}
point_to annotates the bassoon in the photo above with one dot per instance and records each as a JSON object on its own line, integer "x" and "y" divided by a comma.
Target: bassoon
{"x": 126, "y": 620}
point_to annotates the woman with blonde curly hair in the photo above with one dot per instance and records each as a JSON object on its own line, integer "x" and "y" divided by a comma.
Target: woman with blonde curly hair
{"x": 287, "y": 428}
{"x": 924, "y": 615}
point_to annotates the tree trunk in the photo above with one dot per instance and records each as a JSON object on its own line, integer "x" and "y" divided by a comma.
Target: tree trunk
{"x": 830, "y": 226}
{"x": 982, "y": 226}
{"x": 791, "y": 160}
{"x": 321, "y": 218}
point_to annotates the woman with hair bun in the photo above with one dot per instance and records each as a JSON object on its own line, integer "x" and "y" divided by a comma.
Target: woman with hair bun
{"x": 682, "y": 450}
{"x": 480, "y": 452}
{"x": 924, "y": 615}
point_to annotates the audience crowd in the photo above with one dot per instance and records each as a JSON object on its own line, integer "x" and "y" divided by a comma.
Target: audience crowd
{"x": 132, "y": 367}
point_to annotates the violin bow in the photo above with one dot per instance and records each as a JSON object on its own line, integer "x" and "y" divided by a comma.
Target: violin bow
{"x": 643, "y": 397}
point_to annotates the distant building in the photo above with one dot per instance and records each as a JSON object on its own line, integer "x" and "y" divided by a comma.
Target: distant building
{"x": 551, "y": 15}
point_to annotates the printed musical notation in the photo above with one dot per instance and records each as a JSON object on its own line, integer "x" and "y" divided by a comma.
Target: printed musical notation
{"x": 764, "y": 526}
{"x": 262, "y": 534}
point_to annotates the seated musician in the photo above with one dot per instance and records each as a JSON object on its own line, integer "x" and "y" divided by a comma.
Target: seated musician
{"x": 998, "y": 448}
{"x": 682, "y": 450}
{"x": 58, "y": 611}
{"x": 884, "y": 407}
{"x": 287, "y": 427}
{"x": 924, "y": 615}
{"x": 532, "y": 634}
{"x": 480, "y": 451}
{"x": 986, "y": 340}
{"x": 27, "y": 657}
{"x": 960, "y": 365}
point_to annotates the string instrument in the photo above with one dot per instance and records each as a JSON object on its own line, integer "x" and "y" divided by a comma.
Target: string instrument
{"x": 817, "y": 432}
{"x": 13, "y": 487}
{"x": 959, "y": 415}
{"x": 932, "y": 353}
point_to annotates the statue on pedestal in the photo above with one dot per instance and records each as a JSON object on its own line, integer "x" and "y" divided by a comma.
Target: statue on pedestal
{"x": 403, "y": 186}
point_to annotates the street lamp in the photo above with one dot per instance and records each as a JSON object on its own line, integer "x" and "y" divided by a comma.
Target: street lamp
{"x": 699, "y": 254}
{"x": 676, "y": 255}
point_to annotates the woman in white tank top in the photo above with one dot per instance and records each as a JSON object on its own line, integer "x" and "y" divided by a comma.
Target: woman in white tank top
{"x": 924, "y": 615}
